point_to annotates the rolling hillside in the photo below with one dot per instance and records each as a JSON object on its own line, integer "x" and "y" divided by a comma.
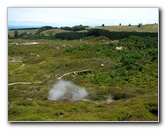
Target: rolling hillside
{"x": 134, "y": 28}
{"x": 143, "y": 28}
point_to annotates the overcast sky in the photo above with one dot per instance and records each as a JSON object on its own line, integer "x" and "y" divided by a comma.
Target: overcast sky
{"x": 58, "y": 17}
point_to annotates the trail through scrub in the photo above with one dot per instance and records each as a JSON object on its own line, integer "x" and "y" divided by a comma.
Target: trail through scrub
{"x": 75, "y": 73}
{"x": 24, "y": 83}
{"x": 17, "y": 68}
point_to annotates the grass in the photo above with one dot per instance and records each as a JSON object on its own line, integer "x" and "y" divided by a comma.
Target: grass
{"x": 143, "y": 28}
{"x": 53, "y": 31}
{"x": 11, "y": 32}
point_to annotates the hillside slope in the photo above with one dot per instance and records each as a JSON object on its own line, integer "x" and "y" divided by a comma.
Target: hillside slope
{"x": 134, "y": 28}
{"x": 143, "y": 28}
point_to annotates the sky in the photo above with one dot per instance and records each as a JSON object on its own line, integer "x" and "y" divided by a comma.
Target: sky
{"x": 58, "y": 17}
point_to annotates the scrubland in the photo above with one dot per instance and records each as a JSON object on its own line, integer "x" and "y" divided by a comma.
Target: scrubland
{"x": 128, "y": 77}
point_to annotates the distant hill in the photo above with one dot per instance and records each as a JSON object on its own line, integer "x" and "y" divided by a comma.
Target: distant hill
{"x": 132, "y": 28}
{"x": 143, "y": 28}
{"x": 10, "y": 27}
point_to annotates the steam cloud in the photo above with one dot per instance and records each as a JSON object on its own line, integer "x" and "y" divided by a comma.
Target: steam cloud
{"x": 67, "y": 91}
{"x": 109, "y": 100}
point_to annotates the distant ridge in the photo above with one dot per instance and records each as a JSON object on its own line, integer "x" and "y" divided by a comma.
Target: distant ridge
{"x": 22, "y": 27}
{"x": 25, "y": 28}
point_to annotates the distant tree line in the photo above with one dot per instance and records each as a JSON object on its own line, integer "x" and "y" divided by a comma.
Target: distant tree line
{"x": 33, "y": 28}
{"x": 101, "y": 32}
{"x": 74, "y": 28}
{"x": 71, "y": 35}
{"x": 119, "y": 35}
{"x": 78, "y": 35}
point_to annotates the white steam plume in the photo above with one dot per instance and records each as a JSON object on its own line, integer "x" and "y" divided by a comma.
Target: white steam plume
{"x": 67, "y": 91}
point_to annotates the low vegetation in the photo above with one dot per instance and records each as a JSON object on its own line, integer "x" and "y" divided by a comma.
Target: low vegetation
{"x": 122, "y": 83}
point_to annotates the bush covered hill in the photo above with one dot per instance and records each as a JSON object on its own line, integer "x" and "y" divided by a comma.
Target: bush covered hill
{"x": 49, "y": 31}
{"x": 123, "y": 70}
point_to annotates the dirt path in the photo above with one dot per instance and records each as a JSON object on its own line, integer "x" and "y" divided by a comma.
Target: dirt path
{"x": 17, "y": 68}
{"x": 73, "y": 73}
{"x": 24, "y": 83}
